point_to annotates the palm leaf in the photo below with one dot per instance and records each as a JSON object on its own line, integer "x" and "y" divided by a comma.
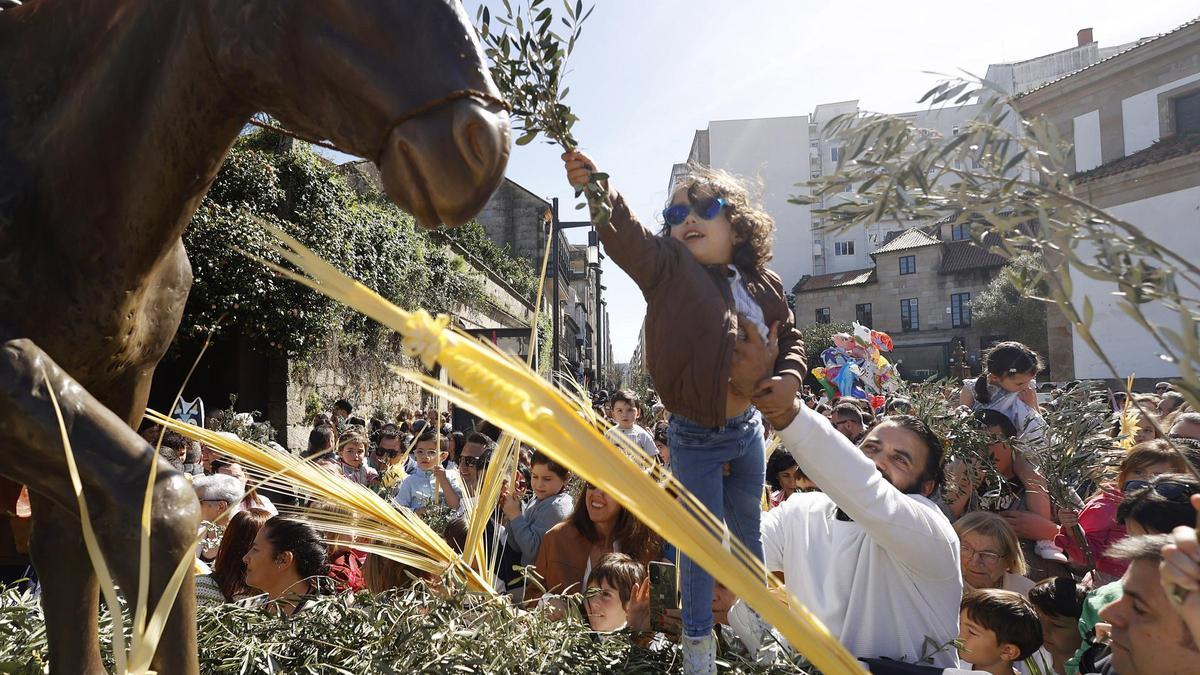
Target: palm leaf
{"x": 504, "y": 391}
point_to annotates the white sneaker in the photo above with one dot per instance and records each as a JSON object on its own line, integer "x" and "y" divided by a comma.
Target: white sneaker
{"x": 1045, "y": 548}
{"x": 755, "y": 633}
{"x": 699, "y": 655}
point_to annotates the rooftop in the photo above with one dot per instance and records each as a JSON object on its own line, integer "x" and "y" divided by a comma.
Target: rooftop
{"x": 965, "y": 256}
{"x": 914, "y": 237}
{"x": 835, "y": 280}
{"x": 1136, "y": 45}
{"x": 1162, "y": 150}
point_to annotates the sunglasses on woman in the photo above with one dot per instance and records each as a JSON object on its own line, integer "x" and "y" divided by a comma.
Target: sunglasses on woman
{"x": 1169, "y": 490}
{"x": 380, "y": 452}
{"x": 706, "y": 209}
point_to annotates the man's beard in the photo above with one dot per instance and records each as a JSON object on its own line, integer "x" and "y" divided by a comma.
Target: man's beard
{"x": 913, "y": 489}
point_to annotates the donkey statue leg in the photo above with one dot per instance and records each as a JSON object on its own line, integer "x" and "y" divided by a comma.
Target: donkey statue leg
{"x": 113, "y": 464}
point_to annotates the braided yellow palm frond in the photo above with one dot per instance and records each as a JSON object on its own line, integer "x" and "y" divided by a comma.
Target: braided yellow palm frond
{"x": 399, "y": 534}
{"x": 506, "y": 392}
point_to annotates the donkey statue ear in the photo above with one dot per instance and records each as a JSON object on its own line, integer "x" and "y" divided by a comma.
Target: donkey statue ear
{"x": 190, "y": 412}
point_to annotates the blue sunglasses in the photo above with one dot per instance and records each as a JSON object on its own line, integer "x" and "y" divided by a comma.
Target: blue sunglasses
{"x": 707, "y": 209}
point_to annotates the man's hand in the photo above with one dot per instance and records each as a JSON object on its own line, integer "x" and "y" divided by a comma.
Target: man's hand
{"x": 753, "y": 358}
{"x": 750, "y": 375}
{"x": 774, "y": 397}
{"x": 1180, "y": 570}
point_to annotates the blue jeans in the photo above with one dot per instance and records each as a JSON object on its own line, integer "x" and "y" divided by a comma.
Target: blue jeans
{"x": 698, "y": 455}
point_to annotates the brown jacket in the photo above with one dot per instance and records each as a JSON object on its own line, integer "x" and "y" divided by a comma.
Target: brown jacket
{"x": 691, "y": 323}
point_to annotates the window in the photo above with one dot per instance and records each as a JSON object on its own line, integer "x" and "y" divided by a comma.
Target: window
{"x": 862, "y": 314}
{"x": 960, "y": 310}
{"x": 910, "y": 319}
{"x": 908, "y": 265}
{"x": 843, "y": 248}
{"x": 835, "y": 153}
{"x": 960, "y": 232}
{"x": 823, "y": 315}
{"x": 1187, "y": 113}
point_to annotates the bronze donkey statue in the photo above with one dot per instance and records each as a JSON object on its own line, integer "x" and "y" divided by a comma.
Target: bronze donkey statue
{"x": 115, "y": 116}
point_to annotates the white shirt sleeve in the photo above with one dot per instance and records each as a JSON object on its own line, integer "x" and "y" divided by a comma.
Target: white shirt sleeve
{"x": 773, "y": 534}
{"x": 909, "y": 527}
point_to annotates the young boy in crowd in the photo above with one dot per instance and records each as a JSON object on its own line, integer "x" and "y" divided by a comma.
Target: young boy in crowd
{"x": 552, "y": 504}
{"x": 625, "y": 411}
{"x": 610, "y": 588}
{"x": 997, "y": 630}
{"x": 430, "y": 482}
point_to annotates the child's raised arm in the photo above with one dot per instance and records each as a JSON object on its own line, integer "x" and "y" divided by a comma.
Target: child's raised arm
{"x": 647, "y": 259}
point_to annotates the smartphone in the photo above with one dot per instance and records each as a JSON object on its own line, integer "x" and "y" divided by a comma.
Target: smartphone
{"x": 664, "y": 594}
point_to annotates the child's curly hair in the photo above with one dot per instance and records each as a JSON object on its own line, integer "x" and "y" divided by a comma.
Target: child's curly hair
{"x": 751, "y": 224}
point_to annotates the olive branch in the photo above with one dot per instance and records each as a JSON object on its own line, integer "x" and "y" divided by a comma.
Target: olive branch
{"x": 528, "y": 58}
{"x": 1009, "y": 178}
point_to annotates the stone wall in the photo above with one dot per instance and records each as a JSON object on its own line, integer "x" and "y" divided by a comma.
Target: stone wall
{"x": 364, "y": 379}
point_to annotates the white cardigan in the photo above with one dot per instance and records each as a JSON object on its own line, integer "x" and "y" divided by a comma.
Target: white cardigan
{"x": 883, "y": 583}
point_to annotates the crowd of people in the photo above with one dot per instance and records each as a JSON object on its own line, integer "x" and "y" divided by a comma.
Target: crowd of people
{"x": 916, "y": 564}
{"x": 910, "y": 560}
{"x": 861, "y": 520}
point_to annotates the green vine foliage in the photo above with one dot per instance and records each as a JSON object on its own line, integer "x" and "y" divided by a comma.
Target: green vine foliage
{"x": 364, "y": 235}
{"x": 545, "y": 345}
{"x": 517, "y": 272}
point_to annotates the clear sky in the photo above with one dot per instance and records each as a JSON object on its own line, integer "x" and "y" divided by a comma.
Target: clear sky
{"x": 646, "y": 74}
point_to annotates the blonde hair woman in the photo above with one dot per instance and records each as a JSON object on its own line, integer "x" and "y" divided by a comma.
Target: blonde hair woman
{"x": 991, "y": 554}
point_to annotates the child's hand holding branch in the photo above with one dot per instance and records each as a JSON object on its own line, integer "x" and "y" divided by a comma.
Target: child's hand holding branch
{"x": 580, "y": 168}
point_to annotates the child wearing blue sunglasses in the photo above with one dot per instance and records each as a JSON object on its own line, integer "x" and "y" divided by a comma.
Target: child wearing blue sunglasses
{"x": 707, "y": 286}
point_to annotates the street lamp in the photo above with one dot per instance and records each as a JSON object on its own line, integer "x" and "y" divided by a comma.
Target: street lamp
{"x": 593, "y": 262}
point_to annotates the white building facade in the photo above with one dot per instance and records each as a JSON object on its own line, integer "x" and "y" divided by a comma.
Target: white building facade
{"x": 1135, "y": 121}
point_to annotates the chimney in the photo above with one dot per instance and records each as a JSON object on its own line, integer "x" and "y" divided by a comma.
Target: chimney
{"x": 1084, "y": 36}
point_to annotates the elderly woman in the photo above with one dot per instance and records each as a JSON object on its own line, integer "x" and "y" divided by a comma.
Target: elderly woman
{"x": 597, "y": 525}
{"x": 219, "y": 497}
{"x": 227, "y": 583}
{"x": 287, "y": 561}
{"x": 991, "y": 554}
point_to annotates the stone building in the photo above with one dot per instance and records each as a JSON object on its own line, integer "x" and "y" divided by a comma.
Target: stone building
{"x": 1134, "y": 119}
{"x": 919, "y": 291}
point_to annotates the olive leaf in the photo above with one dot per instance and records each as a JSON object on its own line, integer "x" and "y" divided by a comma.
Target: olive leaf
{"x": 529, "y": 64}
{"x": 1014, "y": 184}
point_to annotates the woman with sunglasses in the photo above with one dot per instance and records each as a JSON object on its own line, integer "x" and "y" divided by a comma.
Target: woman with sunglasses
{"x": 1098, "y": 519}
{"x": 1158, "y": 506}
{"x": 707, "y": 286}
